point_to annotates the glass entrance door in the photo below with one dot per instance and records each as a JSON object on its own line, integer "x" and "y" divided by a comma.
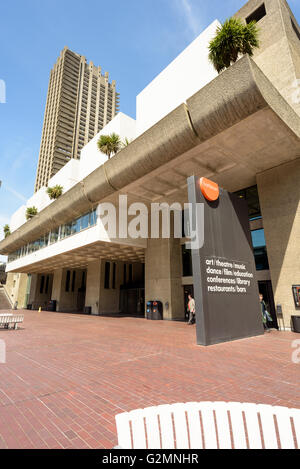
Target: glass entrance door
{"x": 265, "y": 288}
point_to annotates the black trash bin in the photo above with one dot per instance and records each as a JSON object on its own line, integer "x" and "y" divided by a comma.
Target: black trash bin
{"x": 149, "y": 310}
{"x": 29, "y": 307}
{"x": 51, "y": 306}
{"x": 87, "y": 310}
{"x": 154, "y": 311}
{"x": 296, "y": 323}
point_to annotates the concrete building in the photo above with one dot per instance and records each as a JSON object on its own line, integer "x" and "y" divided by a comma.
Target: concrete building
{"x": 2, "y": 273}
{"x": 240, "y": 129}
{"x": 80, "y": 102}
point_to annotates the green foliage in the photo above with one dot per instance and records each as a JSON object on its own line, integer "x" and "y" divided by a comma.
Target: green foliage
{"x": 6, "y": 230}
{"x": 233, "y": 39}
{"x": 55, "y": 192}
{"x": 31, "y": 212}
{"x": 109, "y": 144}
{"x": 126, "y": 142}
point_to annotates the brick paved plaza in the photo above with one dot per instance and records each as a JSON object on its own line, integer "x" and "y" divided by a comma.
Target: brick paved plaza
{"x": 67, "y": 375}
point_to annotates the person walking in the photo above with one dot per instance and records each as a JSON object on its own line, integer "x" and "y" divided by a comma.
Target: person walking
{"x": 192, "y": 310}
{"x": 265, "y": 314}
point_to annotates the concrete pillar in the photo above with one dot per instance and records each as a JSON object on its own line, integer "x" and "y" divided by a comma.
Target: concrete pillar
{"x": 163, "y": 276}
{"x": 33, "y": 290}
{"x": 93, "y": 285}
{"x": 279, "y": 193}
{"x": 16, "y": 288}
{"x": 57, "y": 288}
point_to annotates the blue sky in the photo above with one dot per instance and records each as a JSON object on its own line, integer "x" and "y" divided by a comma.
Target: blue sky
{"x": 133, "y": 40}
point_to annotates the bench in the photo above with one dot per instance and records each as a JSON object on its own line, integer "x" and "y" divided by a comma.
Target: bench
{"x": 9, "y": 321}
{"x": 209, "y": 425}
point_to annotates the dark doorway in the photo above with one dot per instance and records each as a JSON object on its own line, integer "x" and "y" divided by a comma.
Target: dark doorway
{"x": 81, "y": 293}
{"x": 132, "y": 301}
{"x": 265, "y": 288}
{"x": 188, "y": 290}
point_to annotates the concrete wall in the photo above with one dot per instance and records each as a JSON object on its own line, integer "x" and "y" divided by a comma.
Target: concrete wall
{"x": 163, "y": 276}
{"x": 279, "y": 52}
{"x": 107, "y": 300}
{"x": 110, "y": 298}
{"x": 16, "y": 288}
{"x": 279, "y": 193}
{"x": 57, "y": 287}
{"x": 36, "y": 297}
{"x": 69, "y": 299}
{"x": 91, "y": 158}
{"x": 66, "y": 177}
{"x": 93, "y": 285}
{"x": 186, "y": 75}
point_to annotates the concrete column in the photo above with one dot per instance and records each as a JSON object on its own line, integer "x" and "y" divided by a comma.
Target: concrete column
{"x": 16, "y": 288}
{"x": 57, "y": 288}
{"x": 33, "y": 291}
{"x": 163, "y": 274}
{"x": 93, "y": 285}
{"x": 279, "y": 193}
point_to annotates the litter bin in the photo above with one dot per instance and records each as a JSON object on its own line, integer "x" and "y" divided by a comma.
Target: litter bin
{"x": 87, "y": 310}
{"x": 154, "y": 311}
{"x": 296, "y": 323}
{"x": 29, "y": 307}
{"x": 51, "y": 306}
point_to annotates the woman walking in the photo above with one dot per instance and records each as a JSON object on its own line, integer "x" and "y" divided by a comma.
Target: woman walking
{"x": 191, "y": 309}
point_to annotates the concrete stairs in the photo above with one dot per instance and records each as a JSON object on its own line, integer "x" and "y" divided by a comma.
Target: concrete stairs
{"x": 4, "y": 303}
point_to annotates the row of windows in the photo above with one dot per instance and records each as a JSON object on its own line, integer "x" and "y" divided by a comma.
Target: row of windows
{"x": 259, "y": 250}
{"x": 44, "y": 285}
{"x": 107, "y": 275}
{"x": 71, "y": 281}
{"x": 85, "y": 221}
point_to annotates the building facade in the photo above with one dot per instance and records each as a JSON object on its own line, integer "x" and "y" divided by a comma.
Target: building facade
{"x": 240, "y": 129}
{"x": 80, "y": 102}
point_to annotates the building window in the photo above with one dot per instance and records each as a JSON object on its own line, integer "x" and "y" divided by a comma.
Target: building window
{"x": 257, "y": 15}
{"x": 73, "y": 280}
{"x": 187, "y": 265}
{"x": 68, "y": 277}
{"x": 107, "y": 275}
{"x": 295, "y": 29}
{"x": 83, "y": 280}
{"x": 252, "y": 199}
{"x": 114, "y": 275}
{"x": 125, "y": 274}
{"x": 47, "y": 284}
{"x": 260, "y": 250}
{"x": 42, "y": 284}
{"x": 130, "y": 274}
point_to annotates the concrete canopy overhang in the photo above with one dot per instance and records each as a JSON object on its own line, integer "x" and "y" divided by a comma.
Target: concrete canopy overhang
{"x": 79, "y": 258}
{"x": 234, "y": 128}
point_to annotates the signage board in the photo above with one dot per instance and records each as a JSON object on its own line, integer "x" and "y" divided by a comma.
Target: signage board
{"x": 225, "y": 285}
{"x": 296, "y": 295}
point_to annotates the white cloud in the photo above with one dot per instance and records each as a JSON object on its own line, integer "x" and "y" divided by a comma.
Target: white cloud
{"x": 193, "y": 22}
{"x": 15, "y": 193}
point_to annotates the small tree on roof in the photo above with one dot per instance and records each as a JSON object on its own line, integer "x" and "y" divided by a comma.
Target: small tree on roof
{"x": 233, "y": 39}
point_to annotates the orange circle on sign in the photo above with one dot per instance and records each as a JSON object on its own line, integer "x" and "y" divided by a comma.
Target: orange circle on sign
{"x": 209, "y": 189}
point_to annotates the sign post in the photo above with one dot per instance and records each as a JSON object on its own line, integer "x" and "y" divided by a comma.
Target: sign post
{"x": 225, "y": 285}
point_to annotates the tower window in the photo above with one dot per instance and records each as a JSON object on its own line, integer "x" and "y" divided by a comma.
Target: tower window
{"x": 73, "y": 280}
{"x": 114, "y": 275}
{"x": 68, "y": 277}
{"x": 42, "y": 284}
{"x": 257, "y": 15}
{"x": 295, "y": 29}
{"x": 107, "y": 275}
